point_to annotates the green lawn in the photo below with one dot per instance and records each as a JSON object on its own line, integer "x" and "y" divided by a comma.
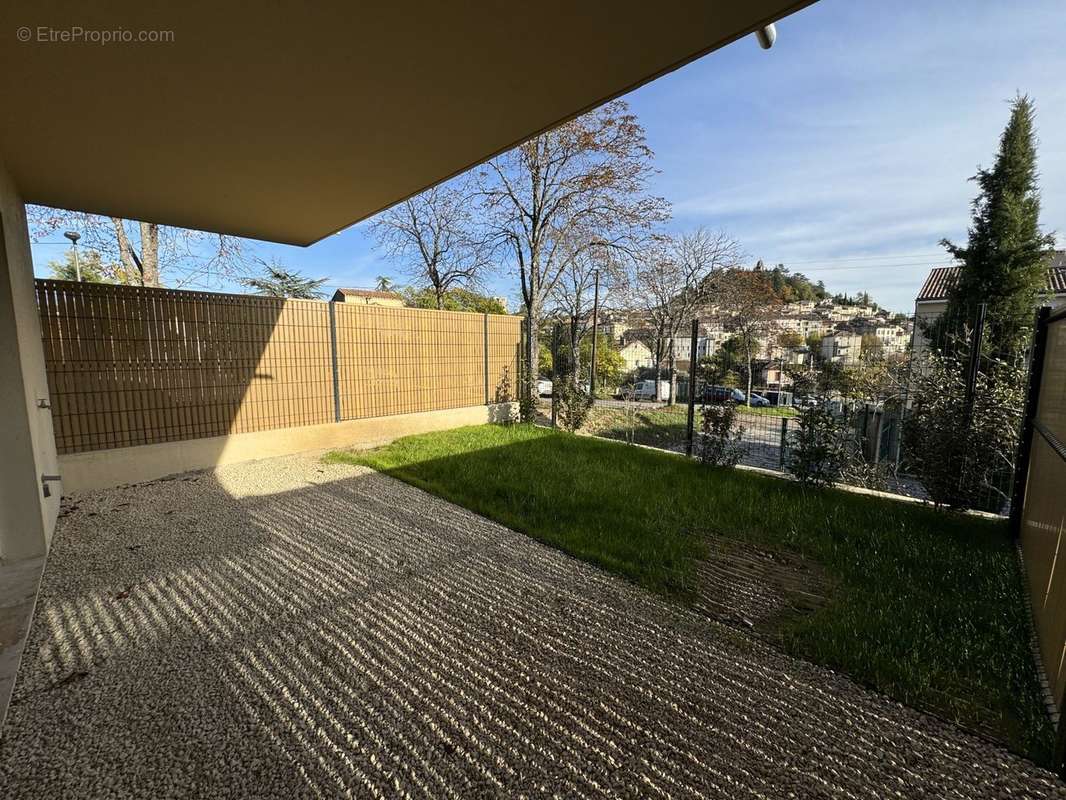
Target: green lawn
{"x": 927, "y": 606}
{"x": 769, "y": 411}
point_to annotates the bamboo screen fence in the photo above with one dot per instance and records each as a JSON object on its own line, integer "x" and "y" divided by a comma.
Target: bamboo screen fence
{"x": 1044, "y": 512}
{"x": 131, "y": 365}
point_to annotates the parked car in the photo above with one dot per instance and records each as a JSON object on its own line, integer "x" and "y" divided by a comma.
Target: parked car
{"x": 806, "y": 401}
{"x": 544, "y": 387}
{"x": 721, "y": 394}
{"x": 777, "y": 397}
{"x": 757, "y": 400}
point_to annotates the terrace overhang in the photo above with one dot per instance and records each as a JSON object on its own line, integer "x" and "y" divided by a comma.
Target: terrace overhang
{"x": 289, "y": 121}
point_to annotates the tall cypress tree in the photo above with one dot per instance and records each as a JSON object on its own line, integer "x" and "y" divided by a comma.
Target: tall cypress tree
{"x": 1004, "y": 263}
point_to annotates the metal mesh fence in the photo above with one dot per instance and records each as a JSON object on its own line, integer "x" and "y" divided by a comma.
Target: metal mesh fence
{"x": 881, "y": 400}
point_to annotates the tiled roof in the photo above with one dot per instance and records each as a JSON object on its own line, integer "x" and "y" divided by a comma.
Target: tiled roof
{"x": 1056, "y": 275}
{"x": 939, "y": 283}
{"x": 941, "y": 279}
{"x": 370, "y": 293}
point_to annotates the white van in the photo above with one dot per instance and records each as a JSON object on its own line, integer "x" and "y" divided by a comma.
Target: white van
{"x": 645, "y": 390}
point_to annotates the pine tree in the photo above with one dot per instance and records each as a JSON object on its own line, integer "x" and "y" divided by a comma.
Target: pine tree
{"x": 279, "y": 281}
{"x": 1004, "y": 263}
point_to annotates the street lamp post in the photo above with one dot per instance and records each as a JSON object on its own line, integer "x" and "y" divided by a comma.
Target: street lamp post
{"x": 74, "y": 236}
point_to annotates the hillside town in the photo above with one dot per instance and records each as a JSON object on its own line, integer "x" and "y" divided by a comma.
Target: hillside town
{"x": 800, "y": 331}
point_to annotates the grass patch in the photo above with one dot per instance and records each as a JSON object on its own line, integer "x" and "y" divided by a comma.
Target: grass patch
{"x": 768, "y": 411}
{"x": 927, "y": 606}
{"x": 667, "y": 426}
{"x": 664, "y": 427}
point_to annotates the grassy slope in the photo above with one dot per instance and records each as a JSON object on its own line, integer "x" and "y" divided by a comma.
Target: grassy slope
{"x": 927, "y": 608}
{"x": 666, "y": 427}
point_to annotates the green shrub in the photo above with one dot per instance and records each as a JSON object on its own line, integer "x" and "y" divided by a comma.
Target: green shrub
{"x": 721, "y": 444}
{"x": 572, "y": 405}
{"x": 960, "y": 457}
{"x": 816, "y": 454}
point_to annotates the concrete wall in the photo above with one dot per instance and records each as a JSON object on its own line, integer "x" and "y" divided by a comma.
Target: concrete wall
{"x": 99, "y": 469}
{"x": 27, "y": 518}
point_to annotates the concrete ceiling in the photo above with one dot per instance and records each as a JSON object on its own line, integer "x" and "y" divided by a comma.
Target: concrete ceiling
{"x": 289, "y": 121}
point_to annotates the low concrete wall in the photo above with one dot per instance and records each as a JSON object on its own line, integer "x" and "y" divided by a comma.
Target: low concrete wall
{"x": 100, "y": 469}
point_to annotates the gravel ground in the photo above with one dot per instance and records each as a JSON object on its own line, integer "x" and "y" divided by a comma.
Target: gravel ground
{"x": 290, "y": 629}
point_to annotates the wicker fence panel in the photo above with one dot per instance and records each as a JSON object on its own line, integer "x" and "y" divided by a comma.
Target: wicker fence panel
{"x": 131, "y": 365}
{"x": 405, "y": 360}
{"x": 1044, "y": 512}
{"x": 504, "y": 346}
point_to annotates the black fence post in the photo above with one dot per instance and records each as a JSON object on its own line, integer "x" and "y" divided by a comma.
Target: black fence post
{"x": 527, "y": 373}
{"x": 976, "y": 339}
{"x": 784, "y": 442}
{"x": 485, "y": 348}
{"x": 694, "y": 342}
{"x": 333, "y": 359}
{"x": 1025, "y": 439}
{"x": 556, "y": 336}
{"x": 595, "y": 329}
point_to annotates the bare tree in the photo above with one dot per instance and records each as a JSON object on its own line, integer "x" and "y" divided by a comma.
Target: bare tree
{"x": 434, "y": 239}
{"x": 577, "y": 187}
{"x": 148, "y": 252}
{"x": 748, "y": 305}
{"x": 573, "y": 296}
{"x": 672, "y": 283}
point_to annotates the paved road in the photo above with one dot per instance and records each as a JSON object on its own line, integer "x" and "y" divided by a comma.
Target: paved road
{"x": 286, "y": 629}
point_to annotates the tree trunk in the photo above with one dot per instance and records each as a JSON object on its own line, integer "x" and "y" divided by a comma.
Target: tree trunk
{"x": 658, "y": 363}
{"x": 150, "y": 253}
{"x": 747, "y": 351}
{"x": 672, "y": 361}
{"x": 131, "y": 266}
{"x": 531, "y": 357}
{"x": 575, "y": 354}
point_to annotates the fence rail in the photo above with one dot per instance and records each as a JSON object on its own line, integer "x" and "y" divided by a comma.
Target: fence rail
{"x": 131, "y": 365}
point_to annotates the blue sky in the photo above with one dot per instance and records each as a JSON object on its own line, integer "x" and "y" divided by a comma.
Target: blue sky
{"x": 843, "y": 152}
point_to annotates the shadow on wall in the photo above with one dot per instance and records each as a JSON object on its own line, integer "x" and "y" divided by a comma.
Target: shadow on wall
{"x": 132, "y": 366}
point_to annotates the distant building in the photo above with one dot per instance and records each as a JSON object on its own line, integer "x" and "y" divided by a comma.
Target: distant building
{"x": 932, "y": 300}
{"x": 771, "y": 374}
{"x": 893, "y": 338}
{"x": 370, "y": 297}
{"x": 614, "y": 327}
{"x": 636, "y": 355}
{"x": 683, "y": 350}
{"x": 804, "y": 324}
{"x": 842, "y": 347}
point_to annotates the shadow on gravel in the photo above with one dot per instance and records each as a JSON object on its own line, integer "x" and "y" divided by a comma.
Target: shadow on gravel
{"x": 302, "y": 630}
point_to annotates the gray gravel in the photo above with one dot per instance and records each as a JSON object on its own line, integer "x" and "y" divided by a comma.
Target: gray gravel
{"x": 288, "y": 629}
